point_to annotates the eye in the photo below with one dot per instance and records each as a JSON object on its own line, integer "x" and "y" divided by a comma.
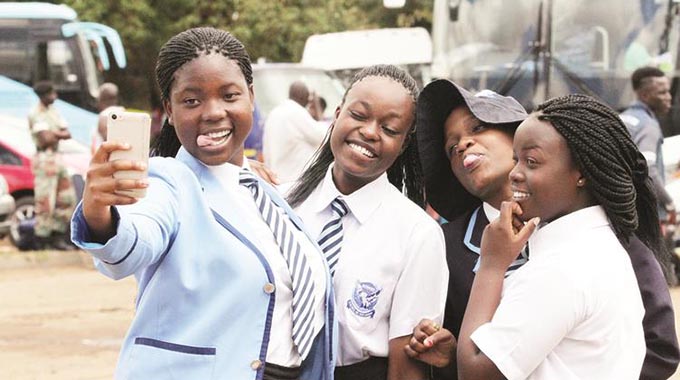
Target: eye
{"x": 190, "y": 101}
{"x": 450, "y": 150}
{"x": 357, "y": 116}
{"x": 514, "y": 158}
{"x": 389, "y": 131}
{"x": 231, "y": 95}
{"x": 478, "y": 128}
{"x": 531, "y": 162}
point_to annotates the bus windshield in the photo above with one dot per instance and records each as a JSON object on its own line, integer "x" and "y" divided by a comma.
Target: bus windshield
{"x": 536, "y": 49}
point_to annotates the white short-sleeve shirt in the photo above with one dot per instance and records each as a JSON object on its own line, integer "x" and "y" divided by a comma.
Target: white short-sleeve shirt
{"x": 281, "y": 349}
{"x": 392, "y": 269}
{"x": 574, "y": 311}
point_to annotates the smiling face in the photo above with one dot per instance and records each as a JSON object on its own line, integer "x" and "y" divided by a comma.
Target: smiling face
{"x": 480, "y": 156}
{"x": 211, "y": 108}
{"x": 369, "y": 131}
{"x": 545, "y": 181}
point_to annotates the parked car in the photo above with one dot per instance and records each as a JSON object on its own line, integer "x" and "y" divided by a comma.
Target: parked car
{"x": 16, "y": 152}
{"x": 6, "y": 207}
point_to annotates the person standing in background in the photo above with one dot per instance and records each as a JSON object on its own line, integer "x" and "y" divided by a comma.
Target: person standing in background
{"x": 107, "y": 103}
{"x": 291, "y": 135}
{"x": 55, "y": 196}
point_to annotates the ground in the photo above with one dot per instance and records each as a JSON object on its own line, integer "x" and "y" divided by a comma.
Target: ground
{"x": 63, "y": 320}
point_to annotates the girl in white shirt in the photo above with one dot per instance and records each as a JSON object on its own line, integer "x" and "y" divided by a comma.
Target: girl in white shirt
{"x": 391, "y": 263}
{"x": 574, "y": 310}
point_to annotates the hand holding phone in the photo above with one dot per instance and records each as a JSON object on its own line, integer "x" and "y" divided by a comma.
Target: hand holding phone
{"x": 134, "y": 129}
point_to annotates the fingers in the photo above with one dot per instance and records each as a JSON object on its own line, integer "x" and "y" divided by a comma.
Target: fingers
{"x": 528, "y": 229}
{"x": 102, "y": 153}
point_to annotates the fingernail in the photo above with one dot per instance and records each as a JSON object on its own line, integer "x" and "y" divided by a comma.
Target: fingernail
{"x": 141, "y": 166}
{"x": 126, "y": 145}
{"x": 536, "y": 220}
{"x": 143, "y": 182}
{"x": 427, "y": 342}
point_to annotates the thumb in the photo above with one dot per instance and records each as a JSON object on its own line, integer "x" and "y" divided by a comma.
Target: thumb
{"x": 440, "y": 336}
{"x": 528, "y": 229}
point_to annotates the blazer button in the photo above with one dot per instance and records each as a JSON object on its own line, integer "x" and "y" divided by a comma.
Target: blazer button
{"x": 255, "y": 364}
{"x": 269, "y": 288}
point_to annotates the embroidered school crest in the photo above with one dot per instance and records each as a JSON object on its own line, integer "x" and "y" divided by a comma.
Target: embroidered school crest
{"x": 364, "y": 299}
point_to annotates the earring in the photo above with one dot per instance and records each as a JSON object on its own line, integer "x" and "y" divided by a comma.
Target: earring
{"x": 580, "y": 182}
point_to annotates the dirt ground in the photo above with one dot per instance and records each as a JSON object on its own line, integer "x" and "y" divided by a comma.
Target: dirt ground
{"x": 67, "y": 322}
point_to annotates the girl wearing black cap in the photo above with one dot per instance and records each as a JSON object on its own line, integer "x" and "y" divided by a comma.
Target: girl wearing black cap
{"x": 385, "y": 253}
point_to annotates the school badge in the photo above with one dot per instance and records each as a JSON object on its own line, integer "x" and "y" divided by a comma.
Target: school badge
{"x": 364, "y": 299}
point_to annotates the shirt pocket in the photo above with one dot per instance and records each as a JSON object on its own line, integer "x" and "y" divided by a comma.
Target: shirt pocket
{"x": 152, "y": 358}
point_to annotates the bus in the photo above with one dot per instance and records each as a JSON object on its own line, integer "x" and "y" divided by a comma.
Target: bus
{"x": 534, "y": 50}
{"x": 42, "y": 41}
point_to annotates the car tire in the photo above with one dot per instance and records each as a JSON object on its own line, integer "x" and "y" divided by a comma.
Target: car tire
{"x": 25, "y": 210}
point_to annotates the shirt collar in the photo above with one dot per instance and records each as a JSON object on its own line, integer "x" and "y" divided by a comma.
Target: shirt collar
{"x": 362, "y": 203}
{"x": 566, "y": 228}
{"x": 491, "y": 212}
{"x": 228, "y": 173}
{"x": 645, "y": 107}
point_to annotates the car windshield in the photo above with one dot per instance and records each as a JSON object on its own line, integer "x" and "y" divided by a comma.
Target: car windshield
{"x": 271, "y": 86}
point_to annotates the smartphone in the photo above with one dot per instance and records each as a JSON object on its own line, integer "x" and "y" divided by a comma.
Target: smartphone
{"x": 133, "y": 128}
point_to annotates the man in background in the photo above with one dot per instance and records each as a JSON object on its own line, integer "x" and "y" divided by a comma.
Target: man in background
{"x": 291, "y": 134}
{"x": 107, "y": 103}
{"x": 55, "y": 197}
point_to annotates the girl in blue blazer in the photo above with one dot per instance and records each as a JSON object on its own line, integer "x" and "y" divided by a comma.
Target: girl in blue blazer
{"x": 215, "y": 296}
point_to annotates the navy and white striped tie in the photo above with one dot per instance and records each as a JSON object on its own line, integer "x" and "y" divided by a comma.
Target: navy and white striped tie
{"x": 300, "y": 271}
{"x": 330, "y": 239}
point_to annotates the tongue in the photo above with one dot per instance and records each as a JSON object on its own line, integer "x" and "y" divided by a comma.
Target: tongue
{"x": 470, "y": 160}
{"x": 203, "y": 140}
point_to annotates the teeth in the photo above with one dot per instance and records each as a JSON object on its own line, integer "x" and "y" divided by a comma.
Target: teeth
{"x": 519, "y": 195}
{"x": 362, "y": 150}
{"x": 217, "y": 135}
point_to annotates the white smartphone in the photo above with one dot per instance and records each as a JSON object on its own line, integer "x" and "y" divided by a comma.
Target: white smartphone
{"x": 133, "y": 128}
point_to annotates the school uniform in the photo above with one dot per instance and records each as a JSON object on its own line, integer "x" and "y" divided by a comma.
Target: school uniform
{"x": 391, "y": 271}
{"x": 463, "y": 236}
{"x": 207, "y": 285}
{"x": 573, "y": 311}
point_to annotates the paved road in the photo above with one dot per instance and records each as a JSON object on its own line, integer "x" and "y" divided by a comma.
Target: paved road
{"x": 67, "y": 322}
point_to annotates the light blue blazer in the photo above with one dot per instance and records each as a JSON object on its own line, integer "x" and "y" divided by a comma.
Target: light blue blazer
{"x": 202, "y": 311}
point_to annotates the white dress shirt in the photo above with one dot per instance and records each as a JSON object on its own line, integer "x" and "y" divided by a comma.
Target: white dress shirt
{"x": 573, "y": 311}
{"x": 392, "y": 269}
{"x": 281, "y": 349}
{"x": 291, "y": 136}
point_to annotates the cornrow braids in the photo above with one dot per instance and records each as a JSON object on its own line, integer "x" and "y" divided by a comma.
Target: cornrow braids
{"x": 405, "y": 173}
{"x": 178, "y": 51}
{"x": 615, "y": 170}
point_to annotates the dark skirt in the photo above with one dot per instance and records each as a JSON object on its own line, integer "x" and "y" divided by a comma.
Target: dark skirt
{"x": 277, "y": 372}
{"x": 373, "y": 368}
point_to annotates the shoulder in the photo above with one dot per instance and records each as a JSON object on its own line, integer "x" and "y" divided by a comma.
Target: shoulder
{"x": 169, "y": 169}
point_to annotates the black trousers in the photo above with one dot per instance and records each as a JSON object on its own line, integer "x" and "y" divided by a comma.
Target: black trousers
{"x": 373, "y": 368}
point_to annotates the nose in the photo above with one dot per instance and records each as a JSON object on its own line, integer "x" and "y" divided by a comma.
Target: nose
{"x": 369, "y": 130}
{"x": 464, "y": 144}
{"x": 214, "y": 110}
{"x": 516, "y": 174}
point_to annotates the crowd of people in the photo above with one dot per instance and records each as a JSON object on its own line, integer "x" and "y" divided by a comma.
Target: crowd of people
{"x": 550, "y": 263}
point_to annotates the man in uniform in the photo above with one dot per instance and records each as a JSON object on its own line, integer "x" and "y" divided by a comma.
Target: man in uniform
{"x": 55, "y": 196}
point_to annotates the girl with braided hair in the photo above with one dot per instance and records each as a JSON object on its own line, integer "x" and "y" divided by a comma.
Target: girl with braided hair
{"x": 574, "y": 310}
{"x": 386, "y": 255}
{"x": 230, "y": 285}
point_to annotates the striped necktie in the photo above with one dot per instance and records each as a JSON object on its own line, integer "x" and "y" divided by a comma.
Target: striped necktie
{"x": 330, "y": 239}
{"x": 301, "y": 273}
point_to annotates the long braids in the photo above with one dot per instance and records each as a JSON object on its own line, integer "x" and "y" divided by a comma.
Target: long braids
{"x": 181, "y": 49}
{"x": 405, "y": 173}
{"x": 615, "y": 170}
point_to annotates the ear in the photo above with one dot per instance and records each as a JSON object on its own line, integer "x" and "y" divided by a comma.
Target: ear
{"x": 251, "y": 93}
{"x": 168, "y": 111}
{"x": 337, "y": 113}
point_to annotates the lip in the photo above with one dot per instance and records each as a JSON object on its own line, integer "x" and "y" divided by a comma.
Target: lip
{"x": 222, "y": 140}
{"x": 363, "y": 145}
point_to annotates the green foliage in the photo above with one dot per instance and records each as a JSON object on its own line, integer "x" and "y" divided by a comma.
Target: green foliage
{"x": 273, "y": 29}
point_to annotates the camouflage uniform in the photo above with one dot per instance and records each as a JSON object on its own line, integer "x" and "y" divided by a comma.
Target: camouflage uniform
{"x": 55, "y": 197}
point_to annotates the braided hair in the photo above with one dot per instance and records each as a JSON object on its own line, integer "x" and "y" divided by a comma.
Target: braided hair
{"x": 615, "y": 170}
{"x": 181, "y": 49}
{"x": 405, "y": 173}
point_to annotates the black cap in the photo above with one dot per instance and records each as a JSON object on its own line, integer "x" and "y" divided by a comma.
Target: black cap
{"x": 443, "y": 190}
